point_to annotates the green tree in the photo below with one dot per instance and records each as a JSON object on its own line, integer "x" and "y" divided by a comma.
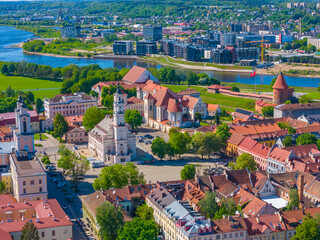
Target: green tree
{"x": 244, "y": 161}
{"x": 9, "y": 92}
{"x": 224, "y": 132}
{"x": 212, "y": 143}
{"x": 209, "y": 206}
{"x": 64, "y": 161}
{"x": 188, "y": 172}
{"x": 191, "y": 78}
{"x": 133, "y": 117}
{"x": 309, "y": 229}
{"x": 235, "y": 89}
{"x": 60, "y": 126}
{"x": 79, "y": 167}
{"x": 2, "y": 186}
{"x": 287, "y": 141}
{"x": 11, "y": 68}
{"x": 92, "y": 117}
{"x": 118, "y": 176}
{"x": 138, "y": 229}
{"x": 29, "y": 232}
{"x": 273, "y": 81}
{"x": 173, "y": 130}
{"x": 294, "y": 199}
{"x": 288, "y": 102}
{"x": 39, "y": 105}
{"x": 30, "y": 97}
{"x": 305, "y": 139}
{"x": 145, "y": 212}
{"x": 180, "y": 142}
{"x": 267, "y": 111}
{"x": 5, "y": 70}
{"x": 197, "y": 117}
{"x": 110, "y": 220}
{"x": 159, "y": 147}
{"x": 305, "y": 99}
{"x": 197, "y": 143}
{"x": 216, "y": 119}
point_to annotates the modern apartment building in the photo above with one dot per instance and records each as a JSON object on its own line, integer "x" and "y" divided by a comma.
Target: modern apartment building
{"x": 152, "y": 33}
{"x": 123, "y": 47}
{"x": 146, "y": 47}
{"x": 70, "y": 32}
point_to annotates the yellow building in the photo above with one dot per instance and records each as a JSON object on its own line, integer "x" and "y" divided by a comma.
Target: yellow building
{"x": 233, "y": 143}
{"x": 7, "y": 179}
{"x": 89, "y": 205}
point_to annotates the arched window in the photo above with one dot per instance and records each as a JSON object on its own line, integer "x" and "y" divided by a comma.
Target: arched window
{"x": 24, "y": 126}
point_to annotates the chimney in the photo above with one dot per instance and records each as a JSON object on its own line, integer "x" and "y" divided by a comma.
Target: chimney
{"x": 258, "y": 220}
{"x": 300, "y": 188}
{"x": 197, "y": 178}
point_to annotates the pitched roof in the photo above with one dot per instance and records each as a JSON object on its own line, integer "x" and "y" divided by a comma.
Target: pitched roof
{"x": 187, "y": 91}
{"x": 247, "y": 144}
{"x": 134, "y": 73}
{"x": 299, "y": 106}
{"x": 260, "y": 224}
{"x": 279, "y": 154}
{"x": 149, "y": 96}
{"x": 236, "y": 139}
{"x": 134, "y": 100}
{"x": 212, "y": 107}
{"x": 174, "y": 106}
{"x": 280, "y": 83}
{"x": 218, "y": 87}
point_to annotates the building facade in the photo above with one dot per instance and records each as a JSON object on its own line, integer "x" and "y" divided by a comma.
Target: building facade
{"x": 68, "y": 105}
{"x": 111, "y": 140}
{"x": 123, "y": 47}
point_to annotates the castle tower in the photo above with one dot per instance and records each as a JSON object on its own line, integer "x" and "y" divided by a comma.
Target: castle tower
{"x": 23, "y": 136}
{"x": 120, "y": 128}
{"x": 281, "y": 91}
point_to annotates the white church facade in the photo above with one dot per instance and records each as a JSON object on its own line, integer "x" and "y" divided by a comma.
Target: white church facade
{"x": 111, "y": 140}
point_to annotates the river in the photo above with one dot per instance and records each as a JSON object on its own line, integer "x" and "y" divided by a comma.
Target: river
{"x": 11, "y": 36}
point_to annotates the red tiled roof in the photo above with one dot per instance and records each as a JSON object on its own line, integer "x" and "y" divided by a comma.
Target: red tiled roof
{"x": 173, "y": 106}
{"x": 9, "y": 118}
{"x": 262, "y": 103}
{"x": 6, "y": 198}
{"x": 189, "y": 101}
{"x": 212, "y": 107}
{"x": 134, "y": 73}
{"x": 149, "y": 96}
{"x": 310, "y": 129}
{"x": 280, "y": 83}
{"x": 247, "y": 144}
{"x": 259, "y": 225}
{"x": 236, "y": 139}
{"x": 219, "y": 87}
{"x": 134, "y": 100}
{"x": 206, "y": 129}
{"x": 279, "y": 154}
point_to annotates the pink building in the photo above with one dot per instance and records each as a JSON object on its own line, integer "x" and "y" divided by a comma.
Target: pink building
{"x": 69, "y": 104}
{"x": 257, "y": 150}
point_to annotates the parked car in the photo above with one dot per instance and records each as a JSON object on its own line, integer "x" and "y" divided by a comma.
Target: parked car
{"x": 64, "y": 206}
{"x": 141, "y": 140}
{"x": 61, "y": 184}
{"x": 54, "y": 180}
{"x": 148, "y": 136}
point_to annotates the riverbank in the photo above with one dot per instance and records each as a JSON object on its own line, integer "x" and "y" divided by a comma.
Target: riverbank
{"x": 53, "y": 55}
{"x": 293, "y": 69}
{"x": 200, "y": 66}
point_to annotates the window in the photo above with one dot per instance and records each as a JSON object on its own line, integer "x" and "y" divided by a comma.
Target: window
{"x": 24, "y": 183}
{"x": 218, "y": 237}
{"x": 40, "y": 181}
{"x": 40, "y": 189}
{"x": 53, "y": 232}
{"x": 241, "y": 234}
{"x": 42, "y": 234}
{"x": 236, "y": 234}
{"x": 32, "y": 182}
{"x": 24, "y": 190}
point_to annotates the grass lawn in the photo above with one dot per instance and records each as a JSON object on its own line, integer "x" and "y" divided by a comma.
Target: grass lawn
{"x": 37, "y": 137}
{"x": 204, "y": 124}
{"x": 311, "y": 91}
{"x": 223, "y": 100}
{"x": 40, "y": 88}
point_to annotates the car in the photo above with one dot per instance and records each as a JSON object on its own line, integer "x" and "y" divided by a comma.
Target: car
{"x": 64, "y": 206}
{"x": 141, "y": 140}
{"x": 226, "y": 164}
{"x": 146, "y": 142}
{"x": 55, "y": 180}
{"x": 148, "y": 136}
{"x": 149, "y": 141}
{"x": 52, "y": 174}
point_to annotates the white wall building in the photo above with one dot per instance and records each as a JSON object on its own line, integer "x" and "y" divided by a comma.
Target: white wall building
{"x": 111, "y": 140}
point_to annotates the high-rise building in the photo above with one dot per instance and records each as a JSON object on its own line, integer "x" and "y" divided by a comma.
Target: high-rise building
{"x": 234, "y": 27}
{"x": 152, "y": 33}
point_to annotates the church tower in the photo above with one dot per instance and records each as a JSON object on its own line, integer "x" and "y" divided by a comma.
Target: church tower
{"x": 23, "y": 136}
{"x": 120, "y": 128}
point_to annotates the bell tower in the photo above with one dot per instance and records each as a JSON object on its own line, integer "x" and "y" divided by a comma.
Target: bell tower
{"x": 23, "y": 136}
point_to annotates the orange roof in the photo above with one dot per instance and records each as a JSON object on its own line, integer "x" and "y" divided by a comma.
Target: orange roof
{"x": 280, "y": 83}
{"x": 134, "y": 74}
{"x": 134, "y": 100}
{"x": 173, "y": 106}
{"x": 236, "y": 139}
{"x": 219, "y": 87}
{"x": 247, "y": 144}
{"x": 212, "y": 107}
{"x": 149, "y": 96}
{"x": 75, "y": 118}
{"x": 189, "y": 101}
{"x": 279, "y": 154}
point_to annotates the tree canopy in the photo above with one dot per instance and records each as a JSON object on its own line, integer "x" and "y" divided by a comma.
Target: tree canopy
{"x": 188, "y": 172}
{"x": 306, "y": 138}
{"x": 309, "y": 229}
{"x": 60, "y": 126}
{"x": 110, "y": 219}
{"x": 118, "y": 176}
{"x": 92, "y": 117}
{"x": 29, "y": 232}
{"x": 133, "y": 117}
{"x": 244, "y": 161}
{"x": 159, "y": 147}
